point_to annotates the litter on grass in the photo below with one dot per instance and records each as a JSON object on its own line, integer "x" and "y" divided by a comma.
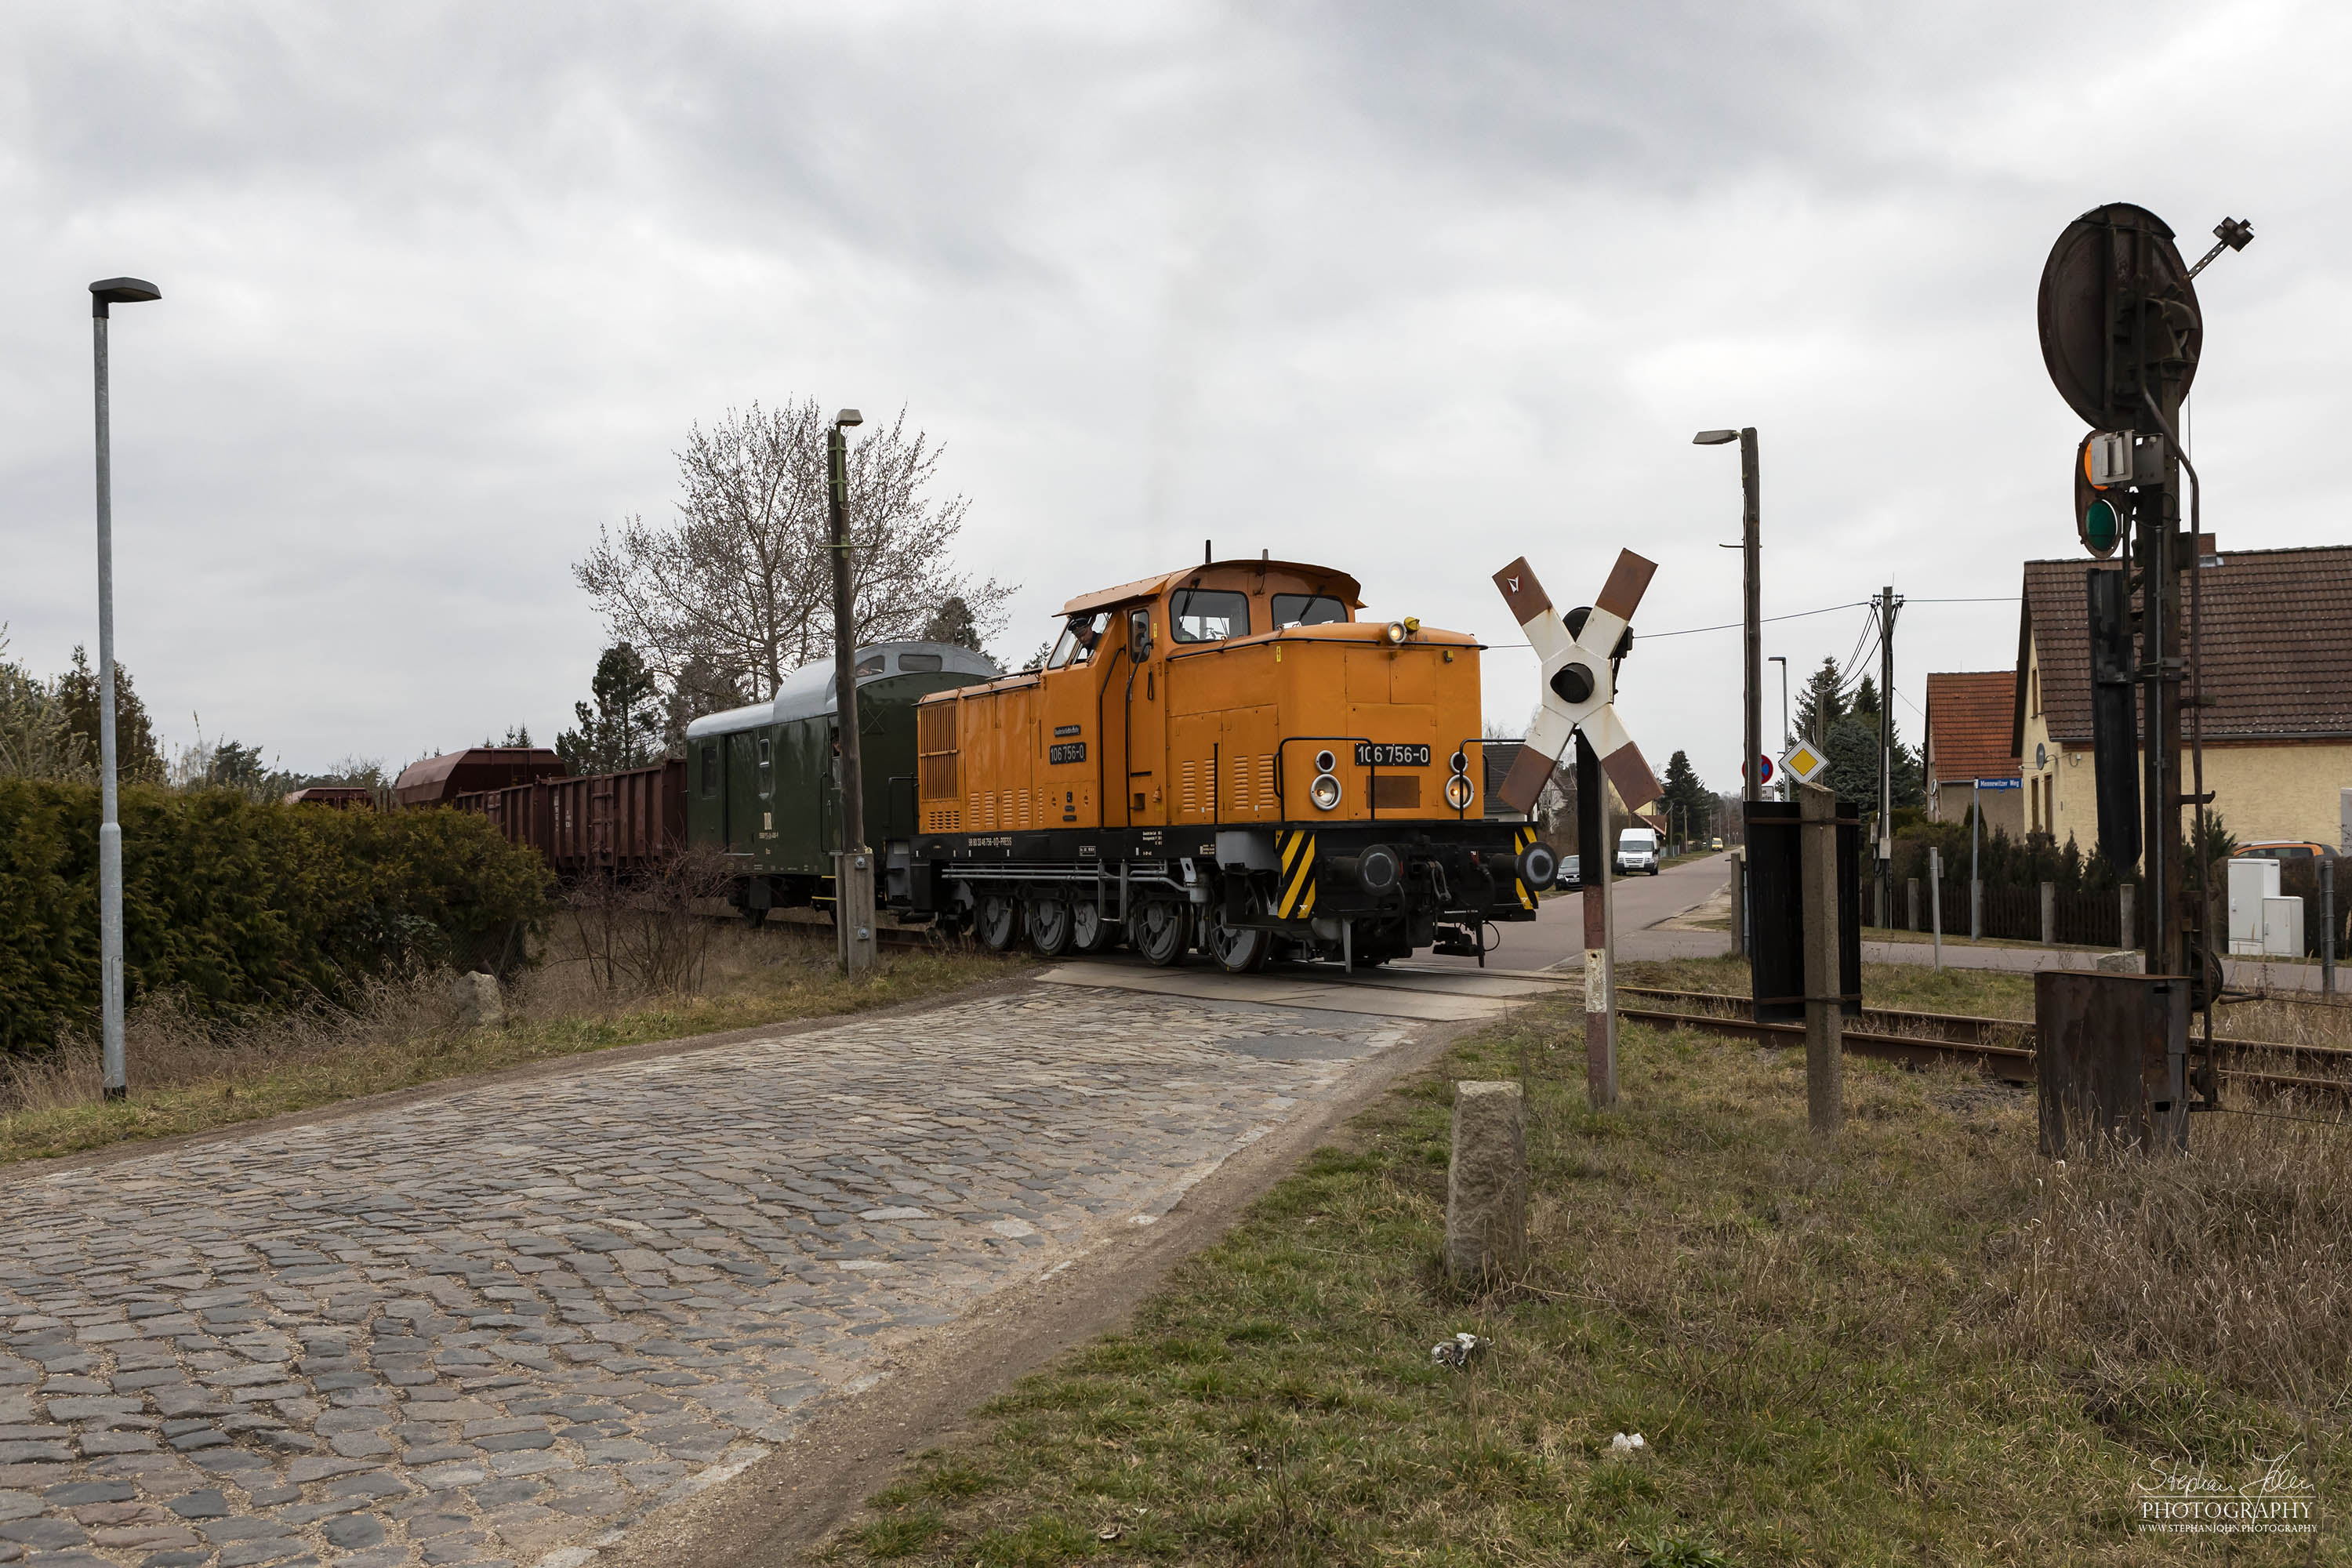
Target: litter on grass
{"x": 1455, "y": 1352}
{"x": 1626, "y": 1443}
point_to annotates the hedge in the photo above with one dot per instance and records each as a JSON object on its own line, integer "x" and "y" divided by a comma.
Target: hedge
{"x": 240, "y": 905}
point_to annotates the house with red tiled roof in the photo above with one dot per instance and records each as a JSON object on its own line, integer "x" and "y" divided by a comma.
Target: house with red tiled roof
{"x": 2275, "y": 639}
{"x": 1969, "y": 756}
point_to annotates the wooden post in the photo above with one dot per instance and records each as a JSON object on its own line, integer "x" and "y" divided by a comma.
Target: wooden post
{"x": 1596, "y": 861}
{"x": 2127, "y": 934}
{"x": 1739, "y": 902}
{"x": 2049, "y": 914}
{"x": 1911, "y": 903}
{"x": 1824, "y": 1024}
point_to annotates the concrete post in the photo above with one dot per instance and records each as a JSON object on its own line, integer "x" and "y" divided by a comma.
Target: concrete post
{"x": 2326, "y": 927}
{"x": 2124, "y": 934}
{"x": 2049, "y": 914}
{"x": 1911, "y": 903}
{"x": 1824, "y": 1024}
{"x": 1487, "y": 1182}
{"x": 1935, "y": 901}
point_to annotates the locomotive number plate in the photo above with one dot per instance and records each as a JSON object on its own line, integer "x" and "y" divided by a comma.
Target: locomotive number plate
{"x": 1076, "y": 752}
{"x": 1370, "y": 754}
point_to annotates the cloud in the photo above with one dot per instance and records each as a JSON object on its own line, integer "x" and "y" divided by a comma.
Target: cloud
{"x": 1409, "y": 289}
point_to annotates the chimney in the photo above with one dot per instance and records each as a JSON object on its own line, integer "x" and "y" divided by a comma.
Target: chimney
{"x": 2208, "y": 554}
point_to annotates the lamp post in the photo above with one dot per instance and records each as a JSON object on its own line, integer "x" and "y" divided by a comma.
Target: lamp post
{"x": 1751, "y": 597}
{"x": 853, "y": 865}
{"x": 104, "y": 293}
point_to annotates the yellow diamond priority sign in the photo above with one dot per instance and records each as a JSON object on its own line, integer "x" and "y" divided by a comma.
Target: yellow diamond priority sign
{"x": 1804, "y": 763}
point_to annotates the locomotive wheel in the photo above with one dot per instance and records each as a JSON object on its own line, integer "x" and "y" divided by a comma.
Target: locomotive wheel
{"x": 1238, "y": 950}
{"x": 1161, "y": 931}
{"x": 1049, "y": 927}
{"x": 755, "y": 919}
{"x": 999, "y": 922}
{"x": 1089, "y": 932}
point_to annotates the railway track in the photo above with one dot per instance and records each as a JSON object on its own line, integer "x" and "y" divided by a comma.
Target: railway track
{"x": 2002, "y": 1047}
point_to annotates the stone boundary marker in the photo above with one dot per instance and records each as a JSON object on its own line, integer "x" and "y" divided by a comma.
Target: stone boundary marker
{"x": 1487, "y": 1182}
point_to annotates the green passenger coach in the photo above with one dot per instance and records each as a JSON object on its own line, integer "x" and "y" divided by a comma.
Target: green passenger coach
{"x": 762, "y": 784}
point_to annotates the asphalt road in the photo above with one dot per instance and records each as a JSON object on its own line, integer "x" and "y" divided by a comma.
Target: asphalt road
{"x": 1556, "y": 936}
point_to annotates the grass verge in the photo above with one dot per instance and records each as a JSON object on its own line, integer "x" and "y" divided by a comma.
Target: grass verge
{"x": 188, "y": 1075}
{"x": 1918, "y": 1343}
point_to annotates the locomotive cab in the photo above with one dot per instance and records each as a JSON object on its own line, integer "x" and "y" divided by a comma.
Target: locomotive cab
{"x": 1226, "y": 753}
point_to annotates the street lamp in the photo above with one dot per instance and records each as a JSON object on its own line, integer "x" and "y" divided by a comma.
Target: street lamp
{"x": 1752, "y": 663}
{"x": 106, "y": 292}
{"x": 852, "y": 866}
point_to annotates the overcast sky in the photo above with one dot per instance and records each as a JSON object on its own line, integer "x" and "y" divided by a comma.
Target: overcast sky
{"x": 1406, "y": 289}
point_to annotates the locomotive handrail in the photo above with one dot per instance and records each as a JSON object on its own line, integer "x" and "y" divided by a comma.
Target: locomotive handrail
{"x": 1462, "y": 811}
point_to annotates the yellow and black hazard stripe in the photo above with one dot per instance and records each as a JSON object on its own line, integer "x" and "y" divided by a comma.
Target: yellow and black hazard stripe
{"x": 1525, "y": 836}
{"x": 1296, "y": 847}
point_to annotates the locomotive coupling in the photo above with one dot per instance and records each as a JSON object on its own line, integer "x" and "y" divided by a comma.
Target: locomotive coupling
{"x": 1375, "y": 869}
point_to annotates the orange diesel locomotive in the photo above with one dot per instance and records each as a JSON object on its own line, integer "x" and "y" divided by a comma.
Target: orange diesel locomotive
{"x": 1224, "y": 755}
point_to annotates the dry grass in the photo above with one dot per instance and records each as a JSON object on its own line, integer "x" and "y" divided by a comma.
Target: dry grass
{"x": 1919, "y": 1344}
{"x": 188, "y": 1073}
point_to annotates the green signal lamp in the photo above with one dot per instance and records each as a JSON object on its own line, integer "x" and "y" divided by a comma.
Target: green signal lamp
{"x": 2103, "y": 530}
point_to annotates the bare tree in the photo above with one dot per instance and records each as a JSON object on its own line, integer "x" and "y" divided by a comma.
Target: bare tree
{"x": 741, "y": 586}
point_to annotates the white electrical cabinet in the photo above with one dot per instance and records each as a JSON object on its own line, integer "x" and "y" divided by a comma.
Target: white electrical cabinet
{"x": 2283, "y": 928}
{"x": 2252, "y": 881}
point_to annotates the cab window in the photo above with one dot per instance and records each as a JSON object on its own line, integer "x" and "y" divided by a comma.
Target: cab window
{"x": 1079, "y": 637}
{"x": 1307, "y": 610}
{"x": 1207, "y": 614}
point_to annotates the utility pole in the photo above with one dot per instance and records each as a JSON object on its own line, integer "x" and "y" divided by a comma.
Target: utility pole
{"x": 113, "y": 1073}
{"x": 852, "y": 866}
{"x": 1887, "y": 607}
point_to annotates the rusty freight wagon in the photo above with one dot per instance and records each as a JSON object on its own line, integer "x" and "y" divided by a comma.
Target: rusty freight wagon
{"x": 1226, "y": 755}
{"x": 618, "y": 823}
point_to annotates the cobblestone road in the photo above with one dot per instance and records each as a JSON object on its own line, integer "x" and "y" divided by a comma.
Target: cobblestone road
{"x": 495, "y": 1326}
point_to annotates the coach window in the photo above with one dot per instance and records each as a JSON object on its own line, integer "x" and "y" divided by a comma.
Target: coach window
{"x": 1207, "y": 614}
{"x": 766, "y": 769}
{"x": 919, "y": 663}
{"x": 709, "y": 770}
{"x": 1306, "y": 610}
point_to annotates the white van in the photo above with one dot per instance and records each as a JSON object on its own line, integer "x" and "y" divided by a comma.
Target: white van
{"x": 1637, "y": 850}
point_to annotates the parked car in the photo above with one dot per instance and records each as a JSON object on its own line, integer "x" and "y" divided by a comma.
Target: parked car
{"x": 1637, "y": 850}
{"x": 1569, "y": 876}
{"x": 2283, "y": 849}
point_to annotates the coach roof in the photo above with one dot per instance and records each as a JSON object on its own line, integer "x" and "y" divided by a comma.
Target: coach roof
{"x": 808, "y": 691}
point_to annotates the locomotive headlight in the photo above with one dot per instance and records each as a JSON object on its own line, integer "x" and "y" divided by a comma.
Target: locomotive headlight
{"x": 1461, "y": 762}
{"x": 1324, "y": 792}
{"x": 1396, "y": 631}
{"x": 1325, "y": 761}
{"x": 1458, "y": 792}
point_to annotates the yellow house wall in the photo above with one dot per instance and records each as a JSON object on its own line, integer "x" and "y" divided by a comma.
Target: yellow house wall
{"x": 2262, "y": 791}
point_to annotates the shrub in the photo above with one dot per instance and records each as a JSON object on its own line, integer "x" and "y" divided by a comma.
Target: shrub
{"x": 237, "y": 905}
